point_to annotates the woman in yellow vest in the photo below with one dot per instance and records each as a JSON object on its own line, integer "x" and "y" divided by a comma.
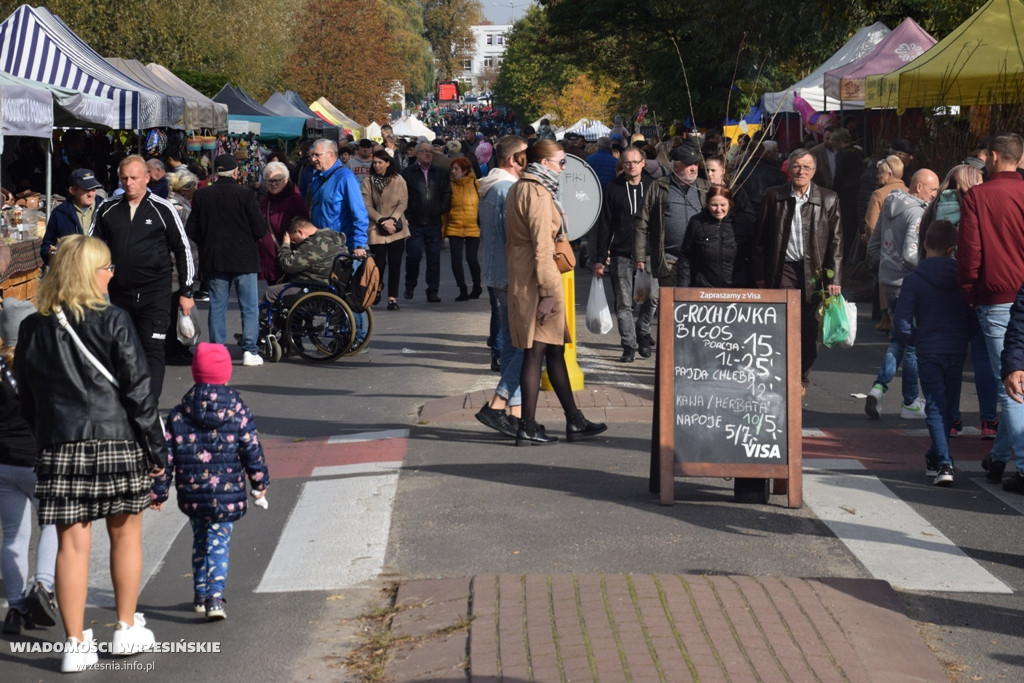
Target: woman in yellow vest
{"x": 461, "y": 227}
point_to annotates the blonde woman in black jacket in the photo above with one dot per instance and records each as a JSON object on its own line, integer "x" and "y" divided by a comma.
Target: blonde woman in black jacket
{"x": 98, "y": 436}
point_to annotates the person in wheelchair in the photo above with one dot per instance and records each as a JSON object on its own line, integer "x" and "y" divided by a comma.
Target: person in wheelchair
{"x": 307, "y": 255}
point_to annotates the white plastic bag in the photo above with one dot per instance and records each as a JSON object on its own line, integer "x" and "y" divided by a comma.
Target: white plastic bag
{"x": 599, "y": 315}
{"x": 188, "y": 328}
{"x": 851, "y": 316}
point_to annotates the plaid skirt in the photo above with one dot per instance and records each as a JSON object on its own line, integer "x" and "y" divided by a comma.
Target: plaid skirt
{"x": 85, "y": 480}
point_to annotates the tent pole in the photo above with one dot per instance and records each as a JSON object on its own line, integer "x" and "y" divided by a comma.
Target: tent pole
{"x": 49, "y": 176}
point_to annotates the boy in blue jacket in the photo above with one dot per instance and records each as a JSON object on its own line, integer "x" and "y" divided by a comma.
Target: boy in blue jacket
{"x": 212, "y": 445}
{"x": 932, "y": 315}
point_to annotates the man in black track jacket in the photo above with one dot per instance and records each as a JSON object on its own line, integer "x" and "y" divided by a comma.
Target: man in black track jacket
{"x": 142, "y": 231}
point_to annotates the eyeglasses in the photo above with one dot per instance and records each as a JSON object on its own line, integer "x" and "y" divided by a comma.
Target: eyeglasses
{"x": 274, "y": 181}
{"x": 109, "y": 269}
{"x": 632, "y": 163}
{"x": 802, "y": 169}
{"x": 317, "y": 155}
{"x": 560, "y": 162}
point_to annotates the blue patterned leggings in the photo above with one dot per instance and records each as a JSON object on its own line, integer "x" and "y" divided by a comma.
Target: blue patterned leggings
{"x": 210, "y": 544}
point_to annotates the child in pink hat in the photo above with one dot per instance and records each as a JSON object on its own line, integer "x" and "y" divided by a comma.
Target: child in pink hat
{"x": 212, "y": 447}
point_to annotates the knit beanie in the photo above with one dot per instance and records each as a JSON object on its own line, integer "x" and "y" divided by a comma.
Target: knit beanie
{"x": 14, "y": 311}
{"x": 211, "y": 364}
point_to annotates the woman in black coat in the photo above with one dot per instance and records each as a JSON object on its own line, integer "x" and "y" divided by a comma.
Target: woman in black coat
{"x": 717, "y": 245}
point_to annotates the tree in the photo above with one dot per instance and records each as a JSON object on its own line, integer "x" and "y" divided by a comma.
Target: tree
{"x": 403, "y": 26}
{"x": 580, "y": 97}
{"x": 447, "y": 24}
{"x": 343, "y": 55}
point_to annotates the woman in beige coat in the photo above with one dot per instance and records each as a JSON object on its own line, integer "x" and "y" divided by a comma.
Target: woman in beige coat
{"x": 890, "y": 179}
{"x": 536, "y": 306}
{"x": 386, "y": 196}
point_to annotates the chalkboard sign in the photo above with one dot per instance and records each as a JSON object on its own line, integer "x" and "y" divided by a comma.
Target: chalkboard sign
{"x": 728, "y": 374}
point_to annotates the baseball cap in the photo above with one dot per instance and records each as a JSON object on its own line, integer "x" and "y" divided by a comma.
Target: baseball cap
{"x": 85, "y": 179}
{"x": 225, "y": 163}
{"x": 685, "y": 153}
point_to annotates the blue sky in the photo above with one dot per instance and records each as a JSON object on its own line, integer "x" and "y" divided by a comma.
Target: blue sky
{"x": 501, "y": 12}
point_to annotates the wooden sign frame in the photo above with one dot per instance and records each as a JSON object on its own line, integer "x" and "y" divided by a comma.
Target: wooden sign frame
{"x": 664, "y": 467}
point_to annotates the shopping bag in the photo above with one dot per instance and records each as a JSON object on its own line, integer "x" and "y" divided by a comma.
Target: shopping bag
{"x": 851, "y": 318}
{"x": 835, "y": 326}
{"x": 188, "y": 327}
{"x": 599, "y": 315}
{"x": 641, "y": 286}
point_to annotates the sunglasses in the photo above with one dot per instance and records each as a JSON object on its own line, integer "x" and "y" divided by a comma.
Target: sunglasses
{"x": 560, "y": 162}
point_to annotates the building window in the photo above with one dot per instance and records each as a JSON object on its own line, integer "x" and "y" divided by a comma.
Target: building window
{"x": 488, "y": 62}
{"x": 490, "y": 39}
{"x": 467, "y": 64}
{"x": 501, "y": 39}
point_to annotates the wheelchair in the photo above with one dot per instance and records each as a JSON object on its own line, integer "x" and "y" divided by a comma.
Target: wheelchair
{"x": 319, "y": 323}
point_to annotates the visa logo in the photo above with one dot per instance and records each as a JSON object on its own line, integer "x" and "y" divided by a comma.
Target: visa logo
{"x": 762, "y": 450}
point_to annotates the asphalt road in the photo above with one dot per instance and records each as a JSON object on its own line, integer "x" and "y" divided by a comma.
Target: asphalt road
{"x": 467, "y": 502}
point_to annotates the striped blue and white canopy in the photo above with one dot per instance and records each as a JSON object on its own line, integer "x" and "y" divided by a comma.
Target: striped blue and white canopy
{"x": 37, "y": 45}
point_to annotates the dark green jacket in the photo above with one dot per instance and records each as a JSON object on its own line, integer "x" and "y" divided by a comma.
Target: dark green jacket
{"x": 311, "y": 261}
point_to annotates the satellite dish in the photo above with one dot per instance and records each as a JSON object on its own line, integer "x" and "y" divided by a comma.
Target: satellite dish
{"x": 579, "y": 190}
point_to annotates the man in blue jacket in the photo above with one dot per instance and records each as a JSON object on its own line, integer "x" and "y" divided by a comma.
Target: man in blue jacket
{"x": 335, "y": 198}
{"x": 74, "y": 216}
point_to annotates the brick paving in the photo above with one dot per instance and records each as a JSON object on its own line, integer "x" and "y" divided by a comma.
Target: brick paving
{"x": 640, "y": 628}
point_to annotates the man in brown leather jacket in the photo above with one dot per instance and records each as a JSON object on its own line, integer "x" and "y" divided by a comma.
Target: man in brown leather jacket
{"x": 800, "y": 239}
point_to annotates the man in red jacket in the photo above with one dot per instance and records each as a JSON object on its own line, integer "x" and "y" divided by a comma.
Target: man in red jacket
{"x": 990, "y": 270}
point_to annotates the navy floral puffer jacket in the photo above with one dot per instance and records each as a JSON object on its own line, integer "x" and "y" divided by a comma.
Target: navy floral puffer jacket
{"x": 212, "y": 445}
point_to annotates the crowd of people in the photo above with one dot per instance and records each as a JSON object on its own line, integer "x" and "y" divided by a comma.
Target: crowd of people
{"x": 685, "y": 211}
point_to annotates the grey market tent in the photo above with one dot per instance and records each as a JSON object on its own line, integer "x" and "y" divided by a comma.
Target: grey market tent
{"x": 282, "y": 106}
{"x": 212, "y": 115}
{"x": 241, "y": 107}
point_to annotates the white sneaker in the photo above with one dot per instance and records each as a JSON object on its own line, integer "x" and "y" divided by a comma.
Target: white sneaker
{"x": 251, "y": 359}
{"x": 913, "y": 411}
{"x": 873, "y": 404}
{"x": 130, "y": 640}
{"x": 79, "y": 655}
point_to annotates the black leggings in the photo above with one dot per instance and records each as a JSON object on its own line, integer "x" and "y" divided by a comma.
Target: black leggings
{"x": 529, "y": 378}
{"x": 388, "y": 258}
{"x": 472, "y": 247}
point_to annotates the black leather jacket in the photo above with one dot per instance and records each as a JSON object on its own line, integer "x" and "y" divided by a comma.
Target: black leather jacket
{"x": 65, "y": 399}
{"x": 427, "y": 201}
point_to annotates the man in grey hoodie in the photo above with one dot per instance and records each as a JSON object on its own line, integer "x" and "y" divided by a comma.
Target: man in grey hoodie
{"x": 894, "y": 249}
{"x": 510, "y": 160}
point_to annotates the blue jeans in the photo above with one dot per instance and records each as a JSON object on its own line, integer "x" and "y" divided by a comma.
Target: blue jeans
{"x": 423, "y": 239}
{"x": 211, "y": 542}
{"x": 896, "y": 353}
{"x": 1010, "y": 435}
{"x": 940, "y": 383}
{"x": 511, "y": 357}
{"x": 493, "y": 338}
{"x": 247, "y": 291}
{"x": 17, "y": 498}
{"x": 985, "y": 381}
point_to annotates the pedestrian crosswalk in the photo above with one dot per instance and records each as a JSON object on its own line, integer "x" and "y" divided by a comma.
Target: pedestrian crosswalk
{"x": 334, "y": 534}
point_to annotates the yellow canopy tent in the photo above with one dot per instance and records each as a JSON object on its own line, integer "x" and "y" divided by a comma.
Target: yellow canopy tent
{"x": 324, "y": 107}
{"x": 980, "y": 62}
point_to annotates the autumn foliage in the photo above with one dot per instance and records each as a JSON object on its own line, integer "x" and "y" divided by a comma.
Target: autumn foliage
{"x": 343, "y": 53}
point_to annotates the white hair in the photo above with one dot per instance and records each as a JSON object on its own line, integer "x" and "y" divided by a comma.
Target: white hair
{"x": 275, "y": 167}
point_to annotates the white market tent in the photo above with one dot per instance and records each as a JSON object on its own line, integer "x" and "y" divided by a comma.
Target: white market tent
{"x": 37, "y": 45}
{"x": 590, "y": 129}
{"x": 73, "y": 109}
{"x": 212, "y": 115}
{"x": 373, "y": 131}
{"x": 811, "y": 87}
{"x": 412, "y": 127}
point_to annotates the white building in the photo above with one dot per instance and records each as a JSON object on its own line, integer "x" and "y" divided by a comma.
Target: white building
{"x": 489, "y": 50}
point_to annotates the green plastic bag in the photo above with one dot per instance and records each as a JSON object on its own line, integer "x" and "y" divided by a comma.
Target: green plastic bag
{"x": 835, "y": 326}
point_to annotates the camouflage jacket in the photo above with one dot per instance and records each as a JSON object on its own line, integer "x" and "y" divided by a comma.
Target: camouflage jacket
{"x": 311, "y": 260}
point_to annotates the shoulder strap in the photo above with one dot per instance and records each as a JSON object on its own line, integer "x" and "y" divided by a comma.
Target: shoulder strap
{"x": 63, "y": 321}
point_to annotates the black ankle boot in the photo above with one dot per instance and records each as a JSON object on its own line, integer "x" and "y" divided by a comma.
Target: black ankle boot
{"x": 476, "y": 291}
{"x": 463, "y": 294}
{"x": 532, "y": 434}
{"x": 578, "y": 427}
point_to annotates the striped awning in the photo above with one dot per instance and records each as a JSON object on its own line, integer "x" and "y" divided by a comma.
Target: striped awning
{"x": 37, "y": 45}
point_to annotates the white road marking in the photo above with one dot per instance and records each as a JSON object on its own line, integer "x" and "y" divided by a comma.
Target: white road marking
{"x": 159, "y": 529}
{"x": 890, "y": 538}
{"x": 336, "y": 536}
{"x": 832, "y": 464}
{"x": 369, "y": 436}
{"x": 359, "y": 468}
